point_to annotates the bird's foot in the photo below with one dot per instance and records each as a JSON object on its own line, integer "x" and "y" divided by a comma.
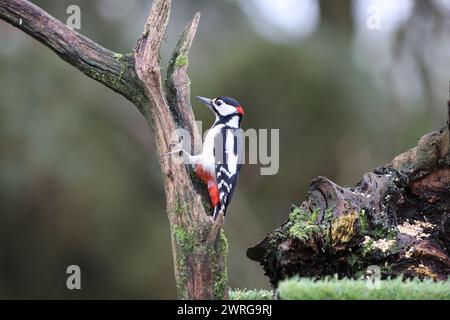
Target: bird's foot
{"x": 175, "y": 147}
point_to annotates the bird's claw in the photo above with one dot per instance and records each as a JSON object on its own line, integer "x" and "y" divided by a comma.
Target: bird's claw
{"x": 174, "y": 147}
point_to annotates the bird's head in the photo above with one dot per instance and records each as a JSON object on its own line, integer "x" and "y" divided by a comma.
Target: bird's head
{"x": 223, "y": 107}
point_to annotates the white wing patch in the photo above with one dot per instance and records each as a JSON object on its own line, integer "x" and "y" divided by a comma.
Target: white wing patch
{"x": 223, "y": 183}
{"x": 224, "y": 170}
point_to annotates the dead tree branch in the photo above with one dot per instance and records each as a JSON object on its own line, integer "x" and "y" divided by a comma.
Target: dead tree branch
{"x": 114, "y": 70}
{"x": 199, "y": 245}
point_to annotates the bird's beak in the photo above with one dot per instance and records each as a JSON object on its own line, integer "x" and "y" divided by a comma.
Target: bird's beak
{"x": 206, "y": 101}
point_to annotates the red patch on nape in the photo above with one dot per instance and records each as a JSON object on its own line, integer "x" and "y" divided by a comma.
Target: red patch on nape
{"x": 213, "y": 194}
{"x": 240, "y": 110}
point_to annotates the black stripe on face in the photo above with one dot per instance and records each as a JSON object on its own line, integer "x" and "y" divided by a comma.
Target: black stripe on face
{"x": 225, "y": 119}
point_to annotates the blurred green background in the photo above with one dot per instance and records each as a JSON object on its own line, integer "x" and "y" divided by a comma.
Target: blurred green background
{"x": 79, "y": 180}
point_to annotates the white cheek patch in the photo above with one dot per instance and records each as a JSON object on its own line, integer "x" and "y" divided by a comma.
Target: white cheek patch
{"x": 225, "y": 109}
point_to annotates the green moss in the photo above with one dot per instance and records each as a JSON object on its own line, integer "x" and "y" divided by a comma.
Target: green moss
{"x": 223, "y": 243}
{"x": 302, "y": 225}
{"x": 297, "y": 214}
{"x": 124, "y": 65}
{"x": 326, "y": 236}
{"x": 273, "y": 243}
{"x": 180, "y": 207}
{"x": 366, "y": 248}
{"x": 375, "y": 231}
{"x": 95, "y": 74}
{"x": 363, "y": 221}
{"x": 354, "y": 261}
{"x": 188, "y": 245}
{"x": 185, "y": 245}
{"x": 220, "y": 286}
{"x": 392, "y": 233}
{"x": 244, "y": 294}
{"x": 181, "y": 236}
{"x": 182, "y": 60}
{"x": 314, "y": 215}
{"x": 346, "y": 289}
{"x": 303, "y": 231}
{"x": 277, "y": 238}
{"x": 378, "y": 232}
{"x": 328, "y": 215}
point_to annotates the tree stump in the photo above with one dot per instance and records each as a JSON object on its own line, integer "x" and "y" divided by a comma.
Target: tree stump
{"x": 397, "y": 218}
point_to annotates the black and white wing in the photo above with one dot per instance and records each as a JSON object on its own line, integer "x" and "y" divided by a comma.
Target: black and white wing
{"x": 228, "y": 156}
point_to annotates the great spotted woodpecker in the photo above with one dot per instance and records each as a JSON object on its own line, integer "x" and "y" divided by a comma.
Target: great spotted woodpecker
{"x": 219, "y": 164}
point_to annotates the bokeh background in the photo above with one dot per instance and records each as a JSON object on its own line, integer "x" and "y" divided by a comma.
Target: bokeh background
{"x": 79, "y": 180}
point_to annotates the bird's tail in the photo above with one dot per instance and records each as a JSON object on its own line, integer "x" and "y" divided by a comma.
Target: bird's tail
{"x": 218, "y": 209}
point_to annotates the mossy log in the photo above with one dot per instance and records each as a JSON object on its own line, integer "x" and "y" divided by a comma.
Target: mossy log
{"x": 397, "y": 218}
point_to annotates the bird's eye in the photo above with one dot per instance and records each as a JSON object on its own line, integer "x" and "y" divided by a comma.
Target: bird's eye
{"x": 219, "y": 102}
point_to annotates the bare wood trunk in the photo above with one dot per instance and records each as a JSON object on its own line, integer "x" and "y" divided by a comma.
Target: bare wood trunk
{"x": 198, "y": 242}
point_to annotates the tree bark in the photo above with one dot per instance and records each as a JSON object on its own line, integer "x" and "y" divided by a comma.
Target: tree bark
{"x": 198, "y": 242}
{"x": 396, "y": 218}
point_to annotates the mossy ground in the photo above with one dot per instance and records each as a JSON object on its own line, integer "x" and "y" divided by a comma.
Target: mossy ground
{"x": 255, "y": 294}
{"x": 347, "y": 289}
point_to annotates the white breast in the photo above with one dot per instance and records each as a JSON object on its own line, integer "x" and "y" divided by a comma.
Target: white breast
{"x": 206, "y": 158}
